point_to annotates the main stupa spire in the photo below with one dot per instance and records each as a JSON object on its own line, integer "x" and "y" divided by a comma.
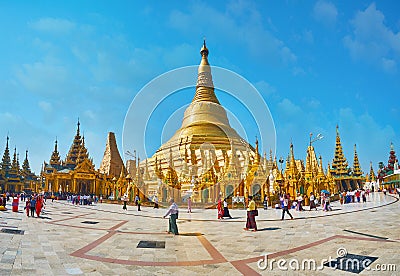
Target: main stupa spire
{"x": 204, "y": 84}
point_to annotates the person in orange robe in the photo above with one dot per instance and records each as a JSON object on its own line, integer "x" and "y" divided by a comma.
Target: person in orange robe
{"x": 39, "y": 204}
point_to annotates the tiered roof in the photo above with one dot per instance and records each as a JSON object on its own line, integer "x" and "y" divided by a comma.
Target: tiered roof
{"x": 357, "y": 172}
{"x": 73, "y": 153}
{"x": 6, "y": 161}
{"x": 339, "y": 163}
{"x": 55, "y": 160}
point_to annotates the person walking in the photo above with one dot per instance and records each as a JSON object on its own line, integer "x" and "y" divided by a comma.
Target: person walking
{"x": 313, "y": 205}
{"x": 364, "y": 197}
{"x": 138, "y": 202}
{"x": 173, "y": 212}
{"x": 28, "y": 206}
{"x": 219, "y": 208}
{"x": 155, "y": 199}
{"x": 125, "y": 202}
{"x": 286, "y": 206}
{"x": 39, "y": 205}
{"x": 299, "y": 206}
{"x": 252, "y": 212}
{"x": 226, "y": 210}
{"x": 265, "y": 202}
{"x": 33, "y": 206}
{"x": 189, "y": 202}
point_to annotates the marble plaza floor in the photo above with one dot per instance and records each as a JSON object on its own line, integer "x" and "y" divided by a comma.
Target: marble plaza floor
{"x": 103, "y": 239}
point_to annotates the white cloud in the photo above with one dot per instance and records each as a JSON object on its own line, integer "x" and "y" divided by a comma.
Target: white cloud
{"x": 44, "y": 45}
{"x": 313, "y": 103}
{"x": 389, "y": 65}
{"x": 52, "y": 25}
{"x": 308, "y": 36}
{"x": 42, "y": 77}
{"x": 288, "y": 108}
{"x": 8, "y": 118}
{"x": 298, "y": 71}
{"x": 45, "y": 106}
{"x": 240, "y": 23}
{"x": 372, "y": 41}
{"x": 325, "y": 12}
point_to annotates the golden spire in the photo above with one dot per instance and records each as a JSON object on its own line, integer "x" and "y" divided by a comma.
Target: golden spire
{"x": 171, "y": 160}
{"x": 204, "y": 85}
{"x": 356, "y": 164}
{"x": 55, "y": 156}
{"x": 320, "y": 168}
{"x": 122, "y": 174}
{"x": 257, "y": 161}
{"x": 146, "y": 171}
{"x": 292, "y": 160}
{"x": 372, "y": 173}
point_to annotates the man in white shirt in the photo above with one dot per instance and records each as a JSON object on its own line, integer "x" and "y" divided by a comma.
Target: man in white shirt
{"x": 173, "y": 216}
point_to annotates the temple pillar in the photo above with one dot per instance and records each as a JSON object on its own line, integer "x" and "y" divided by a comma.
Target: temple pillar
{"x": 74, "y": 186}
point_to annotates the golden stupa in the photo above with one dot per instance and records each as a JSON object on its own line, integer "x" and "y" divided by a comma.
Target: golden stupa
{"x": 206, "y": 158}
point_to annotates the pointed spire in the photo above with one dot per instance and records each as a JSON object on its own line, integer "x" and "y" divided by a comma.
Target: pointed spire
{"x": 205, "y": 85}
{"x": 55, "y": 157}
{"x": 25, "y": 166}
{"x": 292, "y": 160}
{"x": 146, "y": 171}
{"x": 372, "y": 176}
{"x": 122, "y": 174}
{"x": 356, "y": 164}
{"x": 389, "y": 169}
{"x": 83, "y": 153}
{"x": 257, "y": 161}
{"x": 77, "y": 130}
{"x": 18, "y": 162}
{"x": 6, "y": 161}
{"x": 112, "y": 163}
{"x": 156, "y": 171}
{"x": 71, "y": 160}
{"x": 339, "y": 163}
{"x": 320, "y": 168}
{"x": 171, "y": 161}
{"x": 14, "y": 172}
{"x": 15, "y": 162}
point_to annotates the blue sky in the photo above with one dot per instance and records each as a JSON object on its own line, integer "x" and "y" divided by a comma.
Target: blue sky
{"x": 316, "y": 64}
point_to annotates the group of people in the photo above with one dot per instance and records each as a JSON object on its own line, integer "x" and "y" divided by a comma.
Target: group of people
{"x": 137, "y": 201}
{"x": 353, "y": 196}
{"x": 34, "y": 204}
{"x": 223, "y": 210}
{"x": 82, "y": 199}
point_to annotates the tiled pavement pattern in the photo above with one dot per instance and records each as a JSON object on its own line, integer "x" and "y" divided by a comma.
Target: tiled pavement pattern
{"x": 60, "y": 244}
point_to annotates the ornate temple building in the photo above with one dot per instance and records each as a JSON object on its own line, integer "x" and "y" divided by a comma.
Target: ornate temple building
{"x": 371, "y": 180}
{"x": 304, "y": 178}
{"x": 346, "y": 178}
{"x": 389, "y": 175}
{"x": 206, "y": 158}
{"x": 13, "y": 178}
{"x": 76, "y": 174}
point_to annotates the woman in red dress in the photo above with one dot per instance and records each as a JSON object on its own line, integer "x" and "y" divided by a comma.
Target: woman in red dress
{"x": 220, "y": 209}
{"x": 39, "y": 204}
{"x": 28, "y": 206}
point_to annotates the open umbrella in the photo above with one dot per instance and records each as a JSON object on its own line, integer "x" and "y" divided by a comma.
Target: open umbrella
{"x": 325, "y": 192}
